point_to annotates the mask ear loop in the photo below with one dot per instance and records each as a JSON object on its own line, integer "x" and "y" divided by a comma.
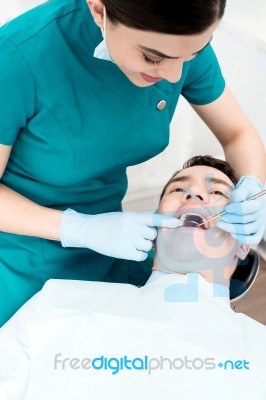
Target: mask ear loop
{"x": 104, "y": 31}
{"x": 104, "y": 24}
{"x": 101, "y": 51}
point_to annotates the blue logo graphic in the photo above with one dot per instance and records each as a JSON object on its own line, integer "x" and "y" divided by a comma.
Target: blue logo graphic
{"x": 238, "y": 364}
{"x": 183, "y": 292}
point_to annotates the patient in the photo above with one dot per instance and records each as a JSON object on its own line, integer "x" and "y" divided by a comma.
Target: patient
{"x": 175, "y": 337}
{"x": 200, "y": 190}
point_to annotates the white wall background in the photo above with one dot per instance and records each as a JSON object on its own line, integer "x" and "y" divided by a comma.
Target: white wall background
{"x": 11, "y": 8}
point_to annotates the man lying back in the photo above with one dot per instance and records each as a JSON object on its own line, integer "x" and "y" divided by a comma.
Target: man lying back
{"x": 175, "y": 337}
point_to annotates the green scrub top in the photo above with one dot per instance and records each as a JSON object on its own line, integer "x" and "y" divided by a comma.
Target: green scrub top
{"x": 76, "y": 123}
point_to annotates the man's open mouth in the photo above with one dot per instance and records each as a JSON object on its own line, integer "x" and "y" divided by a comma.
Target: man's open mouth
{"x": 193, "y": 220}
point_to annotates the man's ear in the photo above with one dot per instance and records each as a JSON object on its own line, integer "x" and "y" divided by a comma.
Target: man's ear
{"x": 242, "y": 251}
{"x": 96, "y": 7}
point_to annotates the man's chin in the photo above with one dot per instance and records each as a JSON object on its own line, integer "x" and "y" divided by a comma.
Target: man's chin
{"x": 191, "y": 250}
{"x": 175, "y": 249}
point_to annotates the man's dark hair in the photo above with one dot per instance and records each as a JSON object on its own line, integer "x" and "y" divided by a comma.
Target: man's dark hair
{"x": 182, "y": 17}
{"x": 208, "y": 161}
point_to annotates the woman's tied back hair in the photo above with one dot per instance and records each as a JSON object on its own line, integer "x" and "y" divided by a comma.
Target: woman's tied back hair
{"x": 180, "y": 17}
{"x": 207, "y": 161}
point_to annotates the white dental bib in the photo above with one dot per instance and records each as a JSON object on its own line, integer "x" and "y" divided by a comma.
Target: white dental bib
{"x": 125, "y": 328}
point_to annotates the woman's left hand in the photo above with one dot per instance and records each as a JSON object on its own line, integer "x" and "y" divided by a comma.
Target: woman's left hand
{"x": 245, "y": 220}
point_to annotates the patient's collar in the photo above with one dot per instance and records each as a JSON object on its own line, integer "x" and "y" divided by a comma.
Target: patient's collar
{"x": 218, "y": 290}
{"x": 155, "y": 275}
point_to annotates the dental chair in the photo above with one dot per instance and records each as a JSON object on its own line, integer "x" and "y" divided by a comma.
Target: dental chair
{"x": 244, "y": 275}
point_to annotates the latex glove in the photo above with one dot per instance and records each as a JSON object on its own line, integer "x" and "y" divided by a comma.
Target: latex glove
{"x": 245, "y": 221}
{"x": 127, "y": 235}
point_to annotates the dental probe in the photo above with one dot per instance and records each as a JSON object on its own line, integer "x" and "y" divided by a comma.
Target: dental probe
{"x": 255, "y": 196}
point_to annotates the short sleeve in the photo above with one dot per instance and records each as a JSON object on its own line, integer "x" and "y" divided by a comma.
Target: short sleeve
{"x": 17, "y": 92}
{"x": 204, "y": 81}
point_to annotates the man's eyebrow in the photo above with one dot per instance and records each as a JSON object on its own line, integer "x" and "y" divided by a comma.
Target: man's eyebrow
{"x": 187, "y": 178}
{"x": 220, "y": 181}
{"x": 159, "y": 54}
{"x": 184, "y": 178}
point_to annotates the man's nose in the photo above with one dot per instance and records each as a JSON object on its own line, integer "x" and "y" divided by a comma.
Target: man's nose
{"x": 197, "y": 197}
{"x": 171, "y": 71}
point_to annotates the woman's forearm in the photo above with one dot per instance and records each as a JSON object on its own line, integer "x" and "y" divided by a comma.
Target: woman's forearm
{"x": 242, "y": 145}
{"x": 246, "y": 154}
{"x": 21, "y": 216}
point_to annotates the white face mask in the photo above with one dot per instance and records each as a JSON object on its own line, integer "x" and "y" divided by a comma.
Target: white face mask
{"x": 101, "y": 51}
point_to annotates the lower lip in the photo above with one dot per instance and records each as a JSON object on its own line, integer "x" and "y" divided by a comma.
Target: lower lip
{"x": 197, "y": 226}
{"x": 181, "y": 228}
{"x": 196, "y": 231}
{"x": 192, "y": 227}
{"x": 149, "y": 78}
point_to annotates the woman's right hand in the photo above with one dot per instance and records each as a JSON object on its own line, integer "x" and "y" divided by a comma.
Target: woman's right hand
{"x": 126, "y": 235}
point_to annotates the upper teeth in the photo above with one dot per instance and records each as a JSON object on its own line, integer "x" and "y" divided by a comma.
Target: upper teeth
{"x": 206, "y": 223}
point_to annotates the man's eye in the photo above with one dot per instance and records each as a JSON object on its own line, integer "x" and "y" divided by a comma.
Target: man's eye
{"x": 177, "y": 190}
{"x": 148, "y": 60}
{"x": 219, "y": 193}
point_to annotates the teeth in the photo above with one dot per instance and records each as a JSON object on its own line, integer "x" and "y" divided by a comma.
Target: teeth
{"x": 206, "y": 225}
{"x": 183, "y": 216}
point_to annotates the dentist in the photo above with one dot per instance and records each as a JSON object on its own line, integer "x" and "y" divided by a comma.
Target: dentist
{"x": 89, "y": 88}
